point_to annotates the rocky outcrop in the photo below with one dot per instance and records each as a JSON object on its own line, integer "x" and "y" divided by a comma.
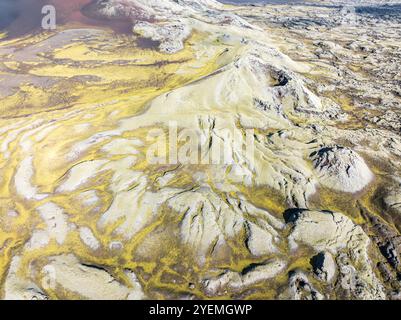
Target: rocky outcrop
{"x": 90, "y": 282}
{"x": 65, "y": 273}
{"x": 341, "y": 169}
{"x": 170, "y": 36}
{"x": 300, "y": 288}
{"x": 149, "y": 18}
{"x": 392, "y": 201}
{"x": 324, "y": 266}
{"x": 389, "y": 243}
{"x": 18, "y": 288}
{"x": 210, "y": 221}
{"x": 230, "y": 281}
{"x": 348, "y": 243}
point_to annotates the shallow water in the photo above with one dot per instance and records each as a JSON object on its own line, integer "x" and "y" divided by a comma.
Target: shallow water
{"x": 21, "y": 17}
{"x": 8, "y": 13}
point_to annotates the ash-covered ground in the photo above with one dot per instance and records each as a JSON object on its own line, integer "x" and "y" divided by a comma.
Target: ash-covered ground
{"x": 306, "y": 202}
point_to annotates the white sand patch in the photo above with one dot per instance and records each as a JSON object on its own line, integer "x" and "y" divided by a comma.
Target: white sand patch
{"x": 88, "y": 238}
{"x": 136, "y": 206}
{"x": 89, "y": 116}
{"x": 19, "y": 288}
{"x": 22, "y": 180}
{"x": 39, "y": 239}
{"x": 122, "y": 146}
{"x": 56, "y": 221}
{"x": 124, "y": 179}
{"x": 12, "y": 214}
{"x": 80, "y": 174}
{"x": 82, "y": 127}
{"x": 123, "y": 176}
{"x": 84, "y": 145}
{"x": 90, "y": 282}
{"x": 40, "y": 133}
{"x": 115, "y": 245}
{"x": 89, "y": 198}
{"x": 137, "y": 292}
{"x": 13, "y": 135}
{"x": 44, "y": 133}
{"x": 6, "y": 129}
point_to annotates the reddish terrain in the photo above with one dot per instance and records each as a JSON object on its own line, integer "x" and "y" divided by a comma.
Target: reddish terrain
{"x": 27, "y": 16}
